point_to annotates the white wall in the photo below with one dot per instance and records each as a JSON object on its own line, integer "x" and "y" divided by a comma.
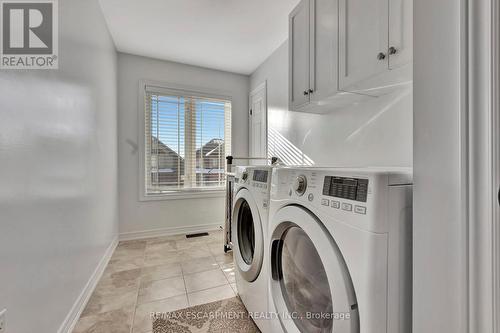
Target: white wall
{"x": 439, "y": 227}
{"x": 376, "y": 133}
{"x": 58, "y": 173}
{"x": 137, "y": 216}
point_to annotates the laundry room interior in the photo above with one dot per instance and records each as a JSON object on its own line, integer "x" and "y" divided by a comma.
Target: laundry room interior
{"x": 266, "y": 166}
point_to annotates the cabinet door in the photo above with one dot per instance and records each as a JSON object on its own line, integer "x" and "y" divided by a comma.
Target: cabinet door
{"x": 324, "y": 49}
{"x": 299, "y": 55}
{"x": 400, "y": 33}
{"x": 363, "y": 41}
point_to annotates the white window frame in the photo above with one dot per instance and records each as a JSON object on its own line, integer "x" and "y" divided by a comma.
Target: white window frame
{"x": 177, "y": 89}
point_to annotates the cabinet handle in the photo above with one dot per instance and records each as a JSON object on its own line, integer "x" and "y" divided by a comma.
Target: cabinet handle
{"x": 306, "y": 92}
{"x": 381, "y": 56}
{"x": 311, "y": 91}
{"x": 392, "y": 50}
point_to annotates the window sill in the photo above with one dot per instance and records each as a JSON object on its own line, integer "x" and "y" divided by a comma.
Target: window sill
{"x": 186, "y": 194}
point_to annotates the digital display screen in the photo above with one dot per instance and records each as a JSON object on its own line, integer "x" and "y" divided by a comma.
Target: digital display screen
{"x": 346, "y": 188}
{"x": 260, "y": 176}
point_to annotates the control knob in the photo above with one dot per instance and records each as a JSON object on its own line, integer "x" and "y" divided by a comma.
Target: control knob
{"x": 244, "y": 176}
{"x": 300, "y": 185}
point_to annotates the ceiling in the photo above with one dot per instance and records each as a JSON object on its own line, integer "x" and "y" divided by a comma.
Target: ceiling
{"x": 229, "y": 35}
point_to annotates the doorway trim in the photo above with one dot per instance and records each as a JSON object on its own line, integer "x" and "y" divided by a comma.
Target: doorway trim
{"x": 257, "y": 89}
{"x": 495, "y": 73}
{"x": 483, "y": 155}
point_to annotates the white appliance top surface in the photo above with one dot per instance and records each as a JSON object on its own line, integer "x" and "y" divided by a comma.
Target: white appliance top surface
{"x": 396, "y": 175}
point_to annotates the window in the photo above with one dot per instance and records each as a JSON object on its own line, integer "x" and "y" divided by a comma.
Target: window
{"x": 187, "y": 137}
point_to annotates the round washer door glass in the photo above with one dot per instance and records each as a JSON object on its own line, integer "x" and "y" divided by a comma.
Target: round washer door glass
{"x": 246, "y": 233}
{"x": 304, "y": 282}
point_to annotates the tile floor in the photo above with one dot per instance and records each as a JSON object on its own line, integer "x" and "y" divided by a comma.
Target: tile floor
{"x": 157, "y": 275}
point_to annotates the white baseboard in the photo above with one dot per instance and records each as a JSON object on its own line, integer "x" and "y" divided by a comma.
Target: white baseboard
{"x": 171, "y": 231}
{"x": 76, "y": 310}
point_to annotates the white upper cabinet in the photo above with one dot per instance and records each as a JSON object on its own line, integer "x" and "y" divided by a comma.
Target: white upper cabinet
{"x": 344, "y": 51}
{"x": 400, "y": 33}
{"x": 313, "y": 62}
{"x": 323, "y": 49}
{"x": 363, "y": 42}
{"x": 375, "y": 45}
{"x": 299, "y": 57}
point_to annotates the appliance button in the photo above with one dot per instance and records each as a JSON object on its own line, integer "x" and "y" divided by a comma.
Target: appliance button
{"x": 325, "y": 202}
{"x": 360, "y": 210}
{"x": 336, "y": 204}
{"x": 347, "y": 207}
{"x": 310, "y": 197}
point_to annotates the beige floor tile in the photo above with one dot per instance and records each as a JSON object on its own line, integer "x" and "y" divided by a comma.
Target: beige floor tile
{"x": 125, "y": 253}
{"x": 216, "y": 248}
{"x": 133, "y": 244}
{"x": 195, "y": 252}
{"x": 162, "y": 258}
{"x": 199, "y": 265}
{"x": 229, "y": 271}
{"x": 161, "y": 252}
{"x": 204, "y": 280}
{"x": 130, "y": 249}
{"x": 118, "y": 282}
{"x": 235, "y": 288}
{"x": 225, "y": 258}
{"x": 161, "y": 289}
{"x": 210, "y": 295}
{"x": 118, "y": 321}
{"x": 99, "y": 303}
{"x": 142, "y": 320}
{"x": 154, "y": 273}
{"x": 124, "y": 264}
{"x": 190, "y": 244}
{"x": 161, "y": 246}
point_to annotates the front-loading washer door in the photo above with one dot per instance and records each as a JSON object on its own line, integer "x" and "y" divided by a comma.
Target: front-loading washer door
{"x": 247, "y": 236}
{"x": 311, "y": 286}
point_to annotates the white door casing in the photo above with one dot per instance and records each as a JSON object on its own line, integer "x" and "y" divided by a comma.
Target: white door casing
{"x": 258, "y": 121}
{"x": 482, "y": 150}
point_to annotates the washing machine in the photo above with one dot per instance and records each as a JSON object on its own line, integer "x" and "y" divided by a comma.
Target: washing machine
{"x": 340, "y": 248}
{"x": 248, "y": 235}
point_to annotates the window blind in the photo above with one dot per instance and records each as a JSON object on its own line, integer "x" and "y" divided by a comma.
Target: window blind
{"x": 187, "y": 137}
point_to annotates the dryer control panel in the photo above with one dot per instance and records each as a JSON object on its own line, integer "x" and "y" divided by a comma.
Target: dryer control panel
{"x": 356, "y": 197}
{"x": 346, "y": 188}
{"x": 260, "y": 175}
